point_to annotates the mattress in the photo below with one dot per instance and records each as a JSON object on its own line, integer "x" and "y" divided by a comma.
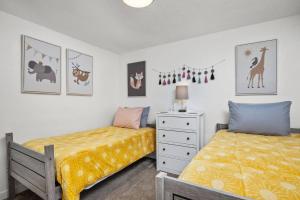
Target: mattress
{"x": 253, "y": 166}
{"x": 82, "y": 158}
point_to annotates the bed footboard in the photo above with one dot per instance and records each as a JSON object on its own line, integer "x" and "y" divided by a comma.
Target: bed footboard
{"x": 169, "y": 188}
{"x": 33, "y": 170}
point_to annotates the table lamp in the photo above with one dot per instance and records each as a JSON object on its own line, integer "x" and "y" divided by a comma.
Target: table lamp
{"x": 182, "y": 94}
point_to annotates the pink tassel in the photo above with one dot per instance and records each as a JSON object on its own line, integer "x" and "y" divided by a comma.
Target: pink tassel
{"x": 164, "y": 82}
{"x": 183, "y": 75}
{"x": 206, "y": 81}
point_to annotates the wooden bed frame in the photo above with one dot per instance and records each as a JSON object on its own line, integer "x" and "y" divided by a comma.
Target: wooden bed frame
{"x": 169, "y": 188}
{"x": 34, "y": 170}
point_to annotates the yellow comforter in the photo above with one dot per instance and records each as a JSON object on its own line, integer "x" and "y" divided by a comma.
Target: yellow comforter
{"x": 83, "y": 158}
{"x": 253, "y": 166}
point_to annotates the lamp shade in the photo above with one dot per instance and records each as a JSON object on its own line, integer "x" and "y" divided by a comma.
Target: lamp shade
{"x": 182, "y": 92}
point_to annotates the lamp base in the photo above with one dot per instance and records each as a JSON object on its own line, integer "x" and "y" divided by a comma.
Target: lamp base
{"x": 182, "y": 110}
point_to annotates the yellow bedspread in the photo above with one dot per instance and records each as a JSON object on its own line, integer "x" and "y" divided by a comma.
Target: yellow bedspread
{"x": 83, "y": 158}
{"x": 253, "y": 166}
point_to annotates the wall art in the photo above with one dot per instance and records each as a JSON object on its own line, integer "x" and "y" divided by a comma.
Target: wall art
{"x": 79, "y": 73}
{"x": 41, "y": 67}
{"x": 196, "y": 75}
{"x": 256, "y": 68}
{"x": 136, "y": 79}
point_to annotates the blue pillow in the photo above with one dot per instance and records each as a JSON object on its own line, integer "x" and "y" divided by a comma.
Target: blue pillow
{"x": 144, "y": 117}
{"x": 267, "y": 119}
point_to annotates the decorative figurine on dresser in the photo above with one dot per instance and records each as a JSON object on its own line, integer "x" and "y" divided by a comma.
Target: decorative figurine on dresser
{"x": 179, "y": 137}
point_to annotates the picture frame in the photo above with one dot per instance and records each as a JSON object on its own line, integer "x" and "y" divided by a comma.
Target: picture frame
{"x": 79, "y": 73}
{"x": 256, "y": 68}
{"x": 136, "y": 79}
{"x": 40, "y": 66}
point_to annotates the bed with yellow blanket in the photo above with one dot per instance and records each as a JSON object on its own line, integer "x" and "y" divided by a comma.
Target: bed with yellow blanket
{"x": 83, "y": 158}
{"x": 238, "y": 166}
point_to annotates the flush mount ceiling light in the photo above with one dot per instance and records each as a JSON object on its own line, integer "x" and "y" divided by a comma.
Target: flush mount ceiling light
{"x": 138, "y": 3}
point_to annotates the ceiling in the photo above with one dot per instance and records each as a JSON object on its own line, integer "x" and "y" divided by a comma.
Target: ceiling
{"x": 112, "y": 25}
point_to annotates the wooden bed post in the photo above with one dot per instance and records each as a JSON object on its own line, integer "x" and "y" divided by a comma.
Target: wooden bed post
{"x": 159, "y": 185}
{"x": 50, "y": 172}
{"x": 11, "y": 180}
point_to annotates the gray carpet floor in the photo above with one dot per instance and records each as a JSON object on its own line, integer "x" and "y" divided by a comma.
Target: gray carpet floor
{"x": 136, "y": 182}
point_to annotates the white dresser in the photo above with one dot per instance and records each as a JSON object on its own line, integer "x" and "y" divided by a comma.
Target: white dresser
{"x": 179, "y": 138}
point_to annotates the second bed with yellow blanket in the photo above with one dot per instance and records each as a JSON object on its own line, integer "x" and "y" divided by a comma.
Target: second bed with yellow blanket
{"x": 253, "y": 166}
{"x": 83, "y": 158}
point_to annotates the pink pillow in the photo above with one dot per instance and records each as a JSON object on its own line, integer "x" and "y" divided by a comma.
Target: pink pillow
{"x": 128, "y": 117}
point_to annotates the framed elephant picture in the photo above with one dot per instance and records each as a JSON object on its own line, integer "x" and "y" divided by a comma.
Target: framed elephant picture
{"x": 79, "y": 73}
{"x": 41, "y": 67}
{"x": 256, "y": 68}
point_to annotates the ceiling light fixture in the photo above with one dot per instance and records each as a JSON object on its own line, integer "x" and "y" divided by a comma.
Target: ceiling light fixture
{"x": 138, "y": 3}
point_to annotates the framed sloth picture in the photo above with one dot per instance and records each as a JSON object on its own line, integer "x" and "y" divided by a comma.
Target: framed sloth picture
{"x": 41, "y": 67}
{"x": 136, "y": 79}
{"x": 79, "y": 73}
{"x": 256, "y": 68}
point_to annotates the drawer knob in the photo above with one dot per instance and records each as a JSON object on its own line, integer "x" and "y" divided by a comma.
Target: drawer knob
{"x": 188, "y": 153}
{"x": 164, "y": 162}
{"x": 164, "y": 135}
{"x": 163, "y": 122}
{"x": 187, "y": 123}
{"x": 187, "y": 138}
{"x": 164, "y": 149}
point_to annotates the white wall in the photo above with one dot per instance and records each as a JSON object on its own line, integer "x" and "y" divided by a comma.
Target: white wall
{"x": 31, "y": 116}
{"x": 212, "y": 98}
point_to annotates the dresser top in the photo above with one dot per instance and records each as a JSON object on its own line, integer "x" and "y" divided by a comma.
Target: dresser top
{"x": 180, "y": 113}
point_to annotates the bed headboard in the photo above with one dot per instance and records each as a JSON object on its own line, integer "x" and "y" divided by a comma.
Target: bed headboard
{"x": 221, "y": 126}
{"x": 225, "y": 126}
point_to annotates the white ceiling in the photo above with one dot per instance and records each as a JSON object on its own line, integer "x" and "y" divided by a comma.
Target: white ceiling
{"x": 112, "y": 25}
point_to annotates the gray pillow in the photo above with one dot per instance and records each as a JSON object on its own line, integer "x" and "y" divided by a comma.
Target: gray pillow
{"x": 267, "y": 119}
{"x": 144, "y": 117}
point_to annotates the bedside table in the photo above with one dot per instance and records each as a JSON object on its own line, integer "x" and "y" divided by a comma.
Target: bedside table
{"x": 179, "y": 137}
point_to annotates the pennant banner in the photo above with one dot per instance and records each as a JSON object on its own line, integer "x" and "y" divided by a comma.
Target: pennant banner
{"x": 36, "y": 51}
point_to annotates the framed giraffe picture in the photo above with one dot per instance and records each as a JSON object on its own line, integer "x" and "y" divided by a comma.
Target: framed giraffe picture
{"x": 256, "y": 68}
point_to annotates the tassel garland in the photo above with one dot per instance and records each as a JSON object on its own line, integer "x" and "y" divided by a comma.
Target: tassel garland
{"x": 159, "y": 82}
{"x": 174, "y": 78}
{"x": 196, "y": 75}
{"x": 194, "y": 78}
{"x": 169, "y": 81}
{"x": 199, "y": 77}
{"x": 164, "y": 81}
{"x": 212, "y": 76}
{"x": 179, "y": 77}
{"x": 188, "y": 75}
{"x": 183, "y": 73}
{"x": 205, "y": 73}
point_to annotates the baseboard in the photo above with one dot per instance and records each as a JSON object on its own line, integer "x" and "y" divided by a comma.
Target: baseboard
{"x": 19, "y": 188}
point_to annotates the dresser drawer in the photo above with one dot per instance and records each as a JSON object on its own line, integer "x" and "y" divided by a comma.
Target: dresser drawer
{"x": 177, "y": 137}
{"x": 184, "y": 123}
{"x": 172, "y": 165}
{"x": 176, "y": 151}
